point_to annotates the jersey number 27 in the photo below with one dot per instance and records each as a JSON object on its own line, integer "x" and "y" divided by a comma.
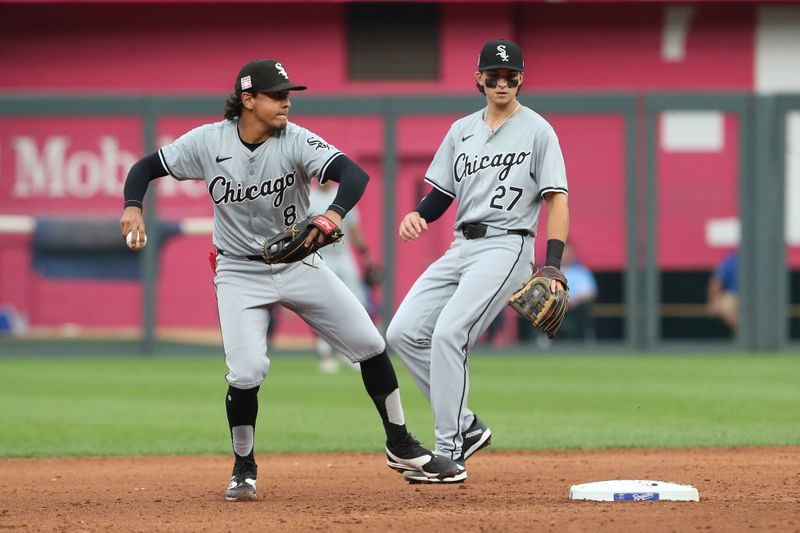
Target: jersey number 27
{"x": 501, "y": 193}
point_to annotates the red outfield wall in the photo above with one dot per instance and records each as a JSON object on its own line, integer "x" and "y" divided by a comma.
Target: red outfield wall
{"x": 77, "y": 165}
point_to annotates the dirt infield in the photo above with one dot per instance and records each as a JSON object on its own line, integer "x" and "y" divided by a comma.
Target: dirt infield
{"x": 740, "y": 490}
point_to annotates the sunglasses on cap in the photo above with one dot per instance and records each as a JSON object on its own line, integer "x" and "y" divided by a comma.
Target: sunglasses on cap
{"x": 492, "y": 82}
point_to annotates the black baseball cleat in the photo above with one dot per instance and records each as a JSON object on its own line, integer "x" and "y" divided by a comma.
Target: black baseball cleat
{"x": 410, "y": 456}
{"x": 243, "y": 482}
{"x": 419, "y": 477}
{"x": 478, "y": 436}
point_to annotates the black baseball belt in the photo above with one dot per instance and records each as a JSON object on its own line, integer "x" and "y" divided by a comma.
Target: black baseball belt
{"x": 476, "y": 230}
{"x": 241, "y": 257}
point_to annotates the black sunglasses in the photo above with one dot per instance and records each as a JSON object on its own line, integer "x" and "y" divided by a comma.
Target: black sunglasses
{"x": 492, "y": 82}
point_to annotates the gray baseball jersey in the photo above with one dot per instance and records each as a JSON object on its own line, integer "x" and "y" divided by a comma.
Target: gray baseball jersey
{"x": 499, "y": 176}
{"x": 255, "y": 195}
{"x": 498, "y": 179}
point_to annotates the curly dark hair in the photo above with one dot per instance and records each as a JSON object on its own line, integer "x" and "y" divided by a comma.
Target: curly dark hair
{"x": 233, "y": 106}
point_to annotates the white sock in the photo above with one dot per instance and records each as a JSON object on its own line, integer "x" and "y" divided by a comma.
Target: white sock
{"x": 243, "y": 440}
{"x": 394, "y": 409}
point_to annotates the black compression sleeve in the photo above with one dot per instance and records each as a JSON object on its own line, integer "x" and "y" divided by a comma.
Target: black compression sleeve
{"x": 352, "y": 181}
{"x": 433, "y": 205}
{"x": 139, "y": 177}
{"x": 555, "y": 249}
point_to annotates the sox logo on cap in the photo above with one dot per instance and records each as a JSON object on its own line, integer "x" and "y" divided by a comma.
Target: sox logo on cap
{"x": 501, "y": 51}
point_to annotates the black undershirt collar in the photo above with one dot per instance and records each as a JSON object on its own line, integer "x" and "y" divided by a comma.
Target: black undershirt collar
{"x": 252, "y": 147}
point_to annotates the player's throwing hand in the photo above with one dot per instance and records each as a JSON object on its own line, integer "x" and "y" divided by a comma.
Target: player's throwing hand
{"x": 133, "y": 221}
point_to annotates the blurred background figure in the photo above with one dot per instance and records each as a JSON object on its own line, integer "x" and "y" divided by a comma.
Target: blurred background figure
{"x": 723, "y": 292}
{"x": 579, "y": 321}
{"x": 341, "y": 259}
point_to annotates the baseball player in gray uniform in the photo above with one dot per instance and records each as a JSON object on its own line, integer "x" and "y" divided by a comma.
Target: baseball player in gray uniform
{"x": 257, "y": 167}
{"x": 500, "y": 163}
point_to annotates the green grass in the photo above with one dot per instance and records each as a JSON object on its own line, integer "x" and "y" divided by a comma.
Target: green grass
{"x": 174, "y": 405}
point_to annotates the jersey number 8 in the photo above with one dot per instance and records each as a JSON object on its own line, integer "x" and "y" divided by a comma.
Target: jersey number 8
{"x": 289, "y": 215}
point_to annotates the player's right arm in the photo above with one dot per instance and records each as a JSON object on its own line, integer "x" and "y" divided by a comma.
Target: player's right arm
{"x": 178, "y": 159}
{"x": 436, "y": 202}
{"x": 432, "y": 206}
{"x": 139, "y": 177}
{"x": 412, "y": 226}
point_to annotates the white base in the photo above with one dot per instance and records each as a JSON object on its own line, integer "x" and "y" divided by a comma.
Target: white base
{"x": 633, "y": 490}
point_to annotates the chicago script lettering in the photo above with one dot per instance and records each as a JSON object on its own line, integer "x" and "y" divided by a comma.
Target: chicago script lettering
{"x": 466, "y": 166}
{"x": 223, "y": 191}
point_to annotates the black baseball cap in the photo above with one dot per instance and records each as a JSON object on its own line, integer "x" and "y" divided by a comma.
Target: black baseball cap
{"x": 264, "y": 75}
{"x": 501, "y": 54}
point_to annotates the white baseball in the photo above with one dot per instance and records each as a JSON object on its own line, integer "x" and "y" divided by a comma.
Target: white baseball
{"x": 132, "y": 243}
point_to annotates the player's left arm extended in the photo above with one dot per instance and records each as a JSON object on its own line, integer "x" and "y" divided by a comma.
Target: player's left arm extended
{"x": 557, "y": 216}
{"x": 546, "y": 309}
{"x": 557, "y": 230}
{"x": 352, "y": 182}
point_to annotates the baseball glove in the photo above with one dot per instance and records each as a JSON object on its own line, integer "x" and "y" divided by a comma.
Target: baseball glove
{"x": 287, "y": 246}
{"x": 534, "y": 301}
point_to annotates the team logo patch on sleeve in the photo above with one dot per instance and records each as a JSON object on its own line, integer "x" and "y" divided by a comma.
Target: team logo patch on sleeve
{"x": 317, "y": 144}
{"x": 246, "y": 83}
